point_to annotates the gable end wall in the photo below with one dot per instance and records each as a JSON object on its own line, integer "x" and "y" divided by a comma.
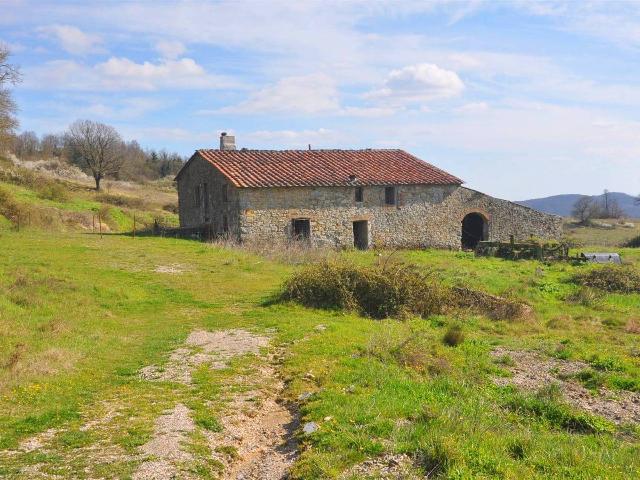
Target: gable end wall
{"x": 192, "y": 215}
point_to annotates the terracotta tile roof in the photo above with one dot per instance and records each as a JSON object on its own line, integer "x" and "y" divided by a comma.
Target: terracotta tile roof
{"x": 297, "y": 168}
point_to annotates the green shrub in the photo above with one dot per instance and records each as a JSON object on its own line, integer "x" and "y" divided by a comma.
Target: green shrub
{"x": 375, "y": 291}
{"x": 454, "y": 336}
{"x": 611, "y": 278}
{"x": 632, "y": 243}
{"x": 606, "y": 364}
{"x": 590, "y": 379}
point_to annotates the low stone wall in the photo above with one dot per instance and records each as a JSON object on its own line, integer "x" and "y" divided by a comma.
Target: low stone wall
{"x": 425, "y": 215}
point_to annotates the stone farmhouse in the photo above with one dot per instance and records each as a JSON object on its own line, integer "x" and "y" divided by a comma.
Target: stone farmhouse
{"x": 344, "y": 198}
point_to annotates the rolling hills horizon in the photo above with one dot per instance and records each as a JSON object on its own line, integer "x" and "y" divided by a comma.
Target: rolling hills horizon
{"x": 563, "y": 204}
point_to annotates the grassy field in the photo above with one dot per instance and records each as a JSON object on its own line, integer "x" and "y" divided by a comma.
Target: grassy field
{"x": 80, "y": 315}
{"x": 604, "y": 237}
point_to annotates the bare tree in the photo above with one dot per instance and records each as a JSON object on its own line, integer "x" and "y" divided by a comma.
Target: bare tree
{"x": 98, "y": 146}
{"x": 585, "y": 209}
{"x": 9, "y": 76}
{"x": 26, "y": 145}
{"x": 51, "y": 145}
{"x": 614, "y": 210}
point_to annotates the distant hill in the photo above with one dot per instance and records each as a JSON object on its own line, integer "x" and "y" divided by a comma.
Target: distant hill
{"x": 563, "y": 204}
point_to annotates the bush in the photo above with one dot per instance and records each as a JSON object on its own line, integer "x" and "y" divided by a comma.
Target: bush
{"x": 454, "y": 336}
{"x": 632, "y": 243}
{"x": 620, "y": 279}
{"x": 378, "y": 292}
{"x": 495, "y": 307}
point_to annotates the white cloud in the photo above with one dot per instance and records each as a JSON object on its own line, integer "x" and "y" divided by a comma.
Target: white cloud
{"x": 72, "y": 39}
{"x": 294, "y": 139}
{"x": 309, "y": 94}
{"x": 170, "y": 49}
{"x": 473, "y": 107}
{"x": 119, "y": 73}
{"x": 417, "y": 84}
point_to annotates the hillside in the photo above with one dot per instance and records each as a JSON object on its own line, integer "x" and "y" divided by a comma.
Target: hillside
{"x": 563, "y": 204}
{"x": 54, "y": 196}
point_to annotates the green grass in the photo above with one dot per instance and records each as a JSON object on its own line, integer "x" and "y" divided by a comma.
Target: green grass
{"x": 80, "y": 315}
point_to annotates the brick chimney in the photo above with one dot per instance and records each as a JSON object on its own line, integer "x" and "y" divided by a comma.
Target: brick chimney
{"x": 227, "y": 142}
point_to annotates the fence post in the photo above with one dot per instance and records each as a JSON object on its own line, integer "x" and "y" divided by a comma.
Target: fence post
{"x": 134, "y": 225}
{"x": 93, "y": 222}
{"x": 100, "y": 224}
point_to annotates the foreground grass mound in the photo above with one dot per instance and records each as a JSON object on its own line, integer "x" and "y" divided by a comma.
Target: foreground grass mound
{"x": 619, "y": 279}
{"x": 375, "y": 291}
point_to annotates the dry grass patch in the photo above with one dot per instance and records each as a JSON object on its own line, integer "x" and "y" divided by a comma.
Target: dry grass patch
{"x": 375, "y": 291}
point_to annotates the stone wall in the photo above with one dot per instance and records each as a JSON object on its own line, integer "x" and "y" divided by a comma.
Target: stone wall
{"x": 201, "y": 206}
{"x": 425, "y": 216}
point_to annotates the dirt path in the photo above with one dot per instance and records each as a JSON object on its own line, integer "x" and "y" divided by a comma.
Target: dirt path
{"x": 257, "y": 438}
{"x": 261, "y": 430}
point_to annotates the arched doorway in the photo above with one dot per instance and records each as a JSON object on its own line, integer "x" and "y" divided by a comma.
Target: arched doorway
{"x": 474, "y": 229}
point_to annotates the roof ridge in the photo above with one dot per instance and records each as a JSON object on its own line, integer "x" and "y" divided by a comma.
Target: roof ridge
{"x": 323, "y": 167}
{"x": 303, "y": 150}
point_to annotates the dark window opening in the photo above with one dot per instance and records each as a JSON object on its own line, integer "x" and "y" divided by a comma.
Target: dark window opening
{"x": 197, "y": 196}
{"x": 225, "y": 193}
{"x": 225, "y": 224}
{"x": 359, "y": 195}
{"x": 474, "y": 230}
{"x": 301, "y": 228}
{"x": 390, "y": 195}
{"x": 361, "y": 234}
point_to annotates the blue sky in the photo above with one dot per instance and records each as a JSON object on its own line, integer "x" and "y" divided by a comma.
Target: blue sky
{"x": 520, "y": 99}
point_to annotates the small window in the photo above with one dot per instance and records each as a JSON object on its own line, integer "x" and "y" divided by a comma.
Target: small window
{"x": 197, "y": 196}
{"x": 300, "y": 228}
{"x": 359, "y": 195}
{"x": 390, "y": 195}
{"x": 225, "y": 193}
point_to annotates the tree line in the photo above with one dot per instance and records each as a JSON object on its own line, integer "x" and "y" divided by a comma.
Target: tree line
{"x": 96, "y": 148}
{"x": 587, "y": 208}
{"x": 99, "y": 150}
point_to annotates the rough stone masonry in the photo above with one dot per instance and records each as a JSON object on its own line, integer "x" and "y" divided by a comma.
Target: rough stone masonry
{"x": 345, "y": 198}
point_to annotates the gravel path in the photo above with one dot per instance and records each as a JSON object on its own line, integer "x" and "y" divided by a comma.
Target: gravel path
{"x": 532, "y": 371}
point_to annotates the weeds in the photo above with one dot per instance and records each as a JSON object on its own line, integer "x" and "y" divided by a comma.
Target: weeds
{"x": 586, "y": 296}
{"x": 495, "y": 307}
{"x": 454, "y": 336}
{"x": 620, "y": 279}
{"x": 378, "y": 292}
